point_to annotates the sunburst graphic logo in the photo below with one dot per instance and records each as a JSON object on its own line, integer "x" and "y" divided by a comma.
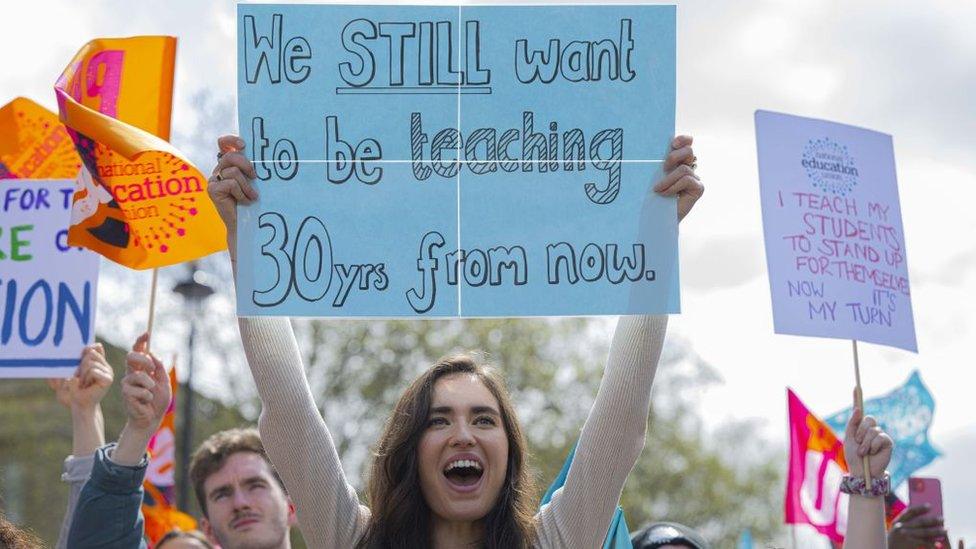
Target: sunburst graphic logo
{"x": 829, "y": 166}
{"x": 157, "y": 195}
{"x": 41, "y": 147}
{"x": 139, "y": 209}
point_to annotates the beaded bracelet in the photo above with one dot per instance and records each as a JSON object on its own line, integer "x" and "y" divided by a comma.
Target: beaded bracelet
{"x": 880, "y": 486}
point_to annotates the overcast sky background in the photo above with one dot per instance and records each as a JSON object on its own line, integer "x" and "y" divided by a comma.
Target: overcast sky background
{"x": 907, "y": 68}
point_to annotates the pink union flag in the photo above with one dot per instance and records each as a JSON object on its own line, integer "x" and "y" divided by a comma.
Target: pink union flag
{"x": 816, "y": 468}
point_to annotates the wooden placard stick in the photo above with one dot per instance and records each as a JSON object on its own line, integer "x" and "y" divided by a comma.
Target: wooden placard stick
{"x": 859, "y": 402}
{"x": 152, "y": 309}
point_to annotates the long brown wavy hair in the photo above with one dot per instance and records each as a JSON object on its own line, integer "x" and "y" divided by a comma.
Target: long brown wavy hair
{"x": 401, "y": 518}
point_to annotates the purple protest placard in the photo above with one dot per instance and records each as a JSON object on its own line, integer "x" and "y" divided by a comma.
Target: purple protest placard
{"x": 835, "y": 247}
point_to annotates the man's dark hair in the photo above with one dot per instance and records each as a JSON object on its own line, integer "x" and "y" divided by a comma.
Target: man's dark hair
{"x": 213, "y": 453}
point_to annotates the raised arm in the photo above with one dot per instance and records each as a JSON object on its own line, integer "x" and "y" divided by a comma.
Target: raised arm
{"x": 611, "y": 440}
{"x": 614, "y": 433}
{"x": 294, "y": 434}
{"x": 82, "y": 393}
{"x": 109, "y": 512}
{"x": 865, "y": 511}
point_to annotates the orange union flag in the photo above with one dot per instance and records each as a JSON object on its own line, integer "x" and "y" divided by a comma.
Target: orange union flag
{"x": 34, "y": 144}
{"x": 157, "y": 507}
{"x": 137, "y": 200}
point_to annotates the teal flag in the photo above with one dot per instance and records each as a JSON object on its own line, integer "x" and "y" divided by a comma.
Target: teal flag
{"x": 906, "y": 415}
{"x": 618, "y": 535}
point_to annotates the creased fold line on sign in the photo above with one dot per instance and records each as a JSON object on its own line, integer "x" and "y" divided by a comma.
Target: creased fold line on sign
{"x": 137, "y": 201}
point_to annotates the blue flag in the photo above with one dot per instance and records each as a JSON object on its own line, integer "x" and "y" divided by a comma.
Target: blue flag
{"x": 905, "y": 414}
{"x": 745, "y": 540}
{"x": 618, "y": 536}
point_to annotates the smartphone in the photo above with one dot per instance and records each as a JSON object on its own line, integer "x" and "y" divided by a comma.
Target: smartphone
{"x": 923, "y": 490}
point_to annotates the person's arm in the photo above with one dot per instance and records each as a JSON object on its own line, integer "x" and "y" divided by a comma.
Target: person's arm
{"x": 82, "y": 394}
{"x": 109, "y": 508}
{"x": 614, "y": 433}
{"x": 866, "y": 514}
{"x": 109, "y": 511}
{"x": 611, "y": 441}
{"x": 294, "y": 434}
{"x": 146, "y": 394}
{"x": 297, "y": 439}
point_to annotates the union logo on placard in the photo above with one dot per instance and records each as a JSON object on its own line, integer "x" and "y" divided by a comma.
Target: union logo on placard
{"x": 829, "y": 166}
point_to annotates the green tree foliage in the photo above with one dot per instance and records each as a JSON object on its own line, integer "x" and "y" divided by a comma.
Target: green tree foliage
{"x": 357, "y": 370}
{"x": 720, "y": 481}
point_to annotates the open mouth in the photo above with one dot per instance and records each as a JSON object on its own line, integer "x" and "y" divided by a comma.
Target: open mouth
{"x": 463, "y": 473}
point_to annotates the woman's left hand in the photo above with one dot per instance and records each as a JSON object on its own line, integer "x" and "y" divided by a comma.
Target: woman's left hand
{"x": 679, "y": 176}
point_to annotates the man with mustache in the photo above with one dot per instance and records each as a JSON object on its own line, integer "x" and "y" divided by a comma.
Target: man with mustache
{"x": 243, "y": 501}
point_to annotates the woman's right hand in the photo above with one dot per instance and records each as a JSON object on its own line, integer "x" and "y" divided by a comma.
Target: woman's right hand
{"x": 231, "y": 184}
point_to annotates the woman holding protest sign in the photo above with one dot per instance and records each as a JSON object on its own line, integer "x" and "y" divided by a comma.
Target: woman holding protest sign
{"x": 449, "y": 470}
{"x": 450, "y": 467}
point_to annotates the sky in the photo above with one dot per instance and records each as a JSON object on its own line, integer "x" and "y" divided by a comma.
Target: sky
{"x": 906, "y": 68}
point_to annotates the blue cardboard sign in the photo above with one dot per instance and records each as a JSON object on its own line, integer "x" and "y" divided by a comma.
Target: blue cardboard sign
{"x": 47, "y": 288}
{"x": 456, "y": 161}
{"x": 835, "y": 247}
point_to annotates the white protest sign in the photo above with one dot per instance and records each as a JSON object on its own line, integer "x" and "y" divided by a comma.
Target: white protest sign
{"x": 835, "y": 247}
{"x": 47, "y": 288}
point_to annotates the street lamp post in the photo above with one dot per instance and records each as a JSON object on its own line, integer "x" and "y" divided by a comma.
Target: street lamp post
{"x": 194, "y": 291}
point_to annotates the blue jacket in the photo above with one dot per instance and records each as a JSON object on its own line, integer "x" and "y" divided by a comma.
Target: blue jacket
{"x": 109, "y": 511}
